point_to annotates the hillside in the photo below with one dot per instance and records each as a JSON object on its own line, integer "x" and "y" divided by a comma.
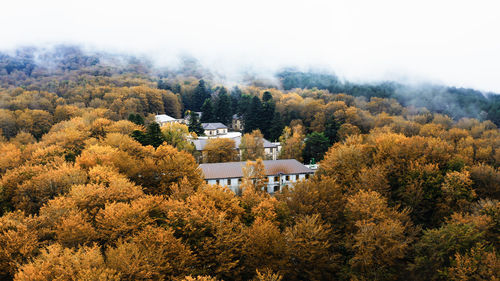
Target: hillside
{"x": 91, "y": 188}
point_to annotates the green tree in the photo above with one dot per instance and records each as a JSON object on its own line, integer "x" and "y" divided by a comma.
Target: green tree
{"x": 316, "y": 146}
{"x": 136, "y": 118}
{"x": 267, "y": 114}
{"x": 207, "y": 112}
{"x": 223, "y": 108}
{"x": 195, "y": 124}
{"x": 154, "y": 136}
{"x": 253, "y": 118}
{"x": 201, "y": 93}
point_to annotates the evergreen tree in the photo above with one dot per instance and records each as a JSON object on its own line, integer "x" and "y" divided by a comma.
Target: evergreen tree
{"x": 154, "y": 136}
{"x": 267, "y": 96}
{"x": 316, "y": 146}
{"x": 253, "y": 118}
{"x": 139, "y": 136}
{"x": 331, "y": 128}
{"x": 267, "y": 114}
{"x": 207, "y": 112}
{"x": 201, "y": 93}
{"x": 195, "y": 124}
{"x": 223, "y": 108}
{"x": 136, "y": 118}
{"x": 277, "y": 127}
{"x": 244, "y": 105}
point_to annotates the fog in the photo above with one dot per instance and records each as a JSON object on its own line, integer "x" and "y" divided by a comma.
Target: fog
{"x": 449, "y": 42}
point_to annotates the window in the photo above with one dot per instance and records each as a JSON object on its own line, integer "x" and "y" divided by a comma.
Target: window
{"x": 276, "y": 179}
{"x": 307, "y": 176}
{"x": 217, "y": 181}
{"x": 287, "y": 178}
{"x": 276, "y": 188}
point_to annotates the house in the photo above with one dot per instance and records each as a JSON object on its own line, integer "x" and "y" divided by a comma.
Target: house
{"x": 279, "y": 173}
{"x": 237, "y": 123}
{"x": 163, "y": 119}
{"x": 270, "y": 149}
{"x": 214, "y": 129}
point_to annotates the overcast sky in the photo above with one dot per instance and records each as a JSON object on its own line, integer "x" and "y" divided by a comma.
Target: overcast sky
{"x": 446, "y": 41}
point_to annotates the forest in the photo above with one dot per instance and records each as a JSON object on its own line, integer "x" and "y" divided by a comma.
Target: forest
{"x": 91, "y": 188}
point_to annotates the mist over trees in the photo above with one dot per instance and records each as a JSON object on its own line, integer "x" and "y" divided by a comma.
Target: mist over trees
{"x": 91, "y": 188}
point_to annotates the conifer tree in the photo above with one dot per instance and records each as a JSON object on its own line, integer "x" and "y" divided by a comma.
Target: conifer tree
{"x": 154, "y": 136}
{"x": 195, "y": 124}
{"x": 207, "y": 112}
{"x": 201, "y": 93}
{"x": 223, "y": 108}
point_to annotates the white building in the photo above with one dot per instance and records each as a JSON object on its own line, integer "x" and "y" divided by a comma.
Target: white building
{"x": 214, "y": 129}
{"x": 279, "y": 173}
{"x": 163, "y": 119}
{"x": 270, "y": 149}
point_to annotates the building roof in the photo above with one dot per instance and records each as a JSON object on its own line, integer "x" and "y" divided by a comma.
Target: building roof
{"x": 213, "y": 126}
{"x": 234, "y": 169}
{"x": 267, "y": 144}
{"x": 162, "y": 118}
{"x": 200, "y": 143}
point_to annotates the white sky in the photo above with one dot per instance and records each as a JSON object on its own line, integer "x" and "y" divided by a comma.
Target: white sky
{"x": 446, "y": 41}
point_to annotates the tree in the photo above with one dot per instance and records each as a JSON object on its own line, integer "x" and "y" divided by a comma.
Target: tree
{"x": 267, "y": 114}
{"x": 310, "y": 252}
{"x": 19, "y": 242}
{"x": 254, "y": 175}
{"x": 253, "y": 118}
{"x": 316, "y": 145}
{"x": 219, "y": 150}
{"x": 154, "y": 253}
{"x": 477, "y": 264}
{"x": 58, "y": 263}
{"x": 208, "y": 114}
{"x": 292, "y": 144}
{"x": 164, "y": 167}
{"x": 252, "y": 146}
{"x": 436, "y": 249}
{"x": 200, "y": 95}
{"x": 136, "y": 118}
{"x": 222, "y": 107}
{"x": 177, "y": 135}
{"x": 277, "y": 127}
{"x": 195, "y": 124}
{"x": 331, "y": 129}
{"x": 154, "y": 136}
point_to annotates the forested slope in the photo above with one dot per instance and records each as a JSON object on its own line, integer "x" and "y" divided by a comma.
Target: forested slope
{"x": 403, "y": 192}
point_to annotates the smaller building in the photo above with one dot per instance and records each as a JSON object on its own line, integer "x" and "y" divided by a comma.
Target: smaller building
{"x": 163, "y": 119}
{"x": 214, "y": 129}
{"x": 279, "y": 173}
{"x": 237, "y": 123}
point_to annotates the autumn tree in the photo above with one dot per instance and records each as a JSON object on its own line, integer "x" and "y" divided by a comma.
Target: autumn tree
{"x": 292, "y": 143}
{"x": 252, "y": 146}
{"x": 58, "y": 263}
{"x": 153, "y": 253}
{"x": 177, "y": 135}
{"x": 219, "y": 150}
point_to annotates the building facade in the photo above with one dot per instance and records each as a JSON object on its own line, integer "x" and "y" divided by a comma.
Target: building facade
{"x": 279, "y": 173}
{"x": 271, "y": 150}
{"x": 163, "y": 119}
{"x": 214, "y": 129}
